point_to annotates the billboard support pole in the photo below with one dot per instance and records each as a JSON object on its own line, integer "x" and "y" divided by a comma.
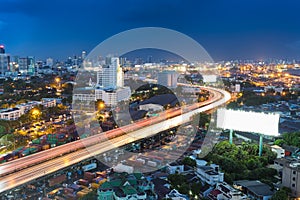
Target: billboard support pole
{"x": 260, "y": 145}
{"x": 230, "y": 136}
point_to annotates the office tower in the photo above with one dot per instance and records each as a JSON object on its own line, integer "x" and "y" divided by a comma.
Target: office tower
{"x": 2, "y": 49}
{"x": 49, "y": 62}
{"x": 122, "y": 61}
{"x": 4, "y": 63}
{"x": 23, "y": 65}
{"x": 32, "y": 67}
{"x": 83, "y": 55}
{"x": 111, "y": 76}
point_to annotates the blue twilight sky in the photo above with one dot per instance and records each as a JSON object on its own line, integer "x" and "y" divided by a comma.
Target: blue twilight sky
{"x": 227, "y": 29}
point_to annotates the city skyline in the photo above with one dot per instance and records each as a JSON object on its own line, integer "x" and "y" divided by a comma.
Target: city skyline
{"x": 235, "y": 30}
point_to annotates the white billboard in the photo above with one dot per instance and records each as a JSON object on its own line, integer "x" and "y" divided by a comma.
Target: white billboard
{"x": 254, "y": 122}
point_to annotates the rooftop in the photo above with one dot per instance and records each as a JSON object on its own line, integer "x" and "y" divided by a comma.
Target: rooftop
{"x": 257, "y": 187}
{"x": 8, "y": 110}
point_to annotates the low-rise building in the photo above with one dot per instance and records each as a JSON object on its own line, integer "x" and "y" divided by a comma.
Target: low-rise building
{"x": 122, "y": 186}
{"x": 11, "y": 113}
{"x": 254, "y": 189}
{"x": 173, "y": 168}
{"x": 280, "y": 152}
{"x": 210, "y": 174}
{"x": 223, "y": 191}
{"x": 49, "y": 102}
{"x": 175, "y": 195}
{"x": 112, "y": 97}
{"x": 28, "y": 106}
{"x": 20, "y": 109}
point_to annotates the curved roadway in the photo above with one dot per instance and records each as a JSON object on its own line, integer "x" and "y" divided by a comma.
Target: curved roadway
{"x": 46, "y": 162}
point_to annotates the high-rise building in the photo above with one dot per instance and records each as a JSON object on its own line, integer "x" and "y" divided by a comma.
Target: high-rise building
{"x": 4, "y": 63}
{"x": 2, "y": 49}
{"x": 110, "y": 83}
{"x": 32, "y": 67}
{"x": 168, "y": 79}
{"x": 111, "y": 76}
{"x": 123, "y": 61}
{"x": 49, "y": 62}
{"x": 83, "y": 55}
{"x": 39, "y": 65}
{"x": 75, "y": 61}
{"x": 23, "y": 65}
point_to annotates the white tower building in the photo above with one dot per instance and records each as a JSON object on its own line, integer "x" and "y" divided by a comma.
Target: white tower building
{"x": 49, "y": 62}
{"x": 110, "y": 83}
{"x": 111, "y": 76}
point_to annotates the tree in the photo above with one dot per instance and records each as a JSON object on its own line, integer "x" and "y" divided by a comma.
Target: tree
{"x": 184, "y": 188}
{"x": 6, "y": 105}
{"x": 292, "y": 139}
{"x": 279, "y": 142}
{"x": 204, "y": 118}
{"x": 190, "y": 162}
{"x": 176, "y": 180}
{"x": 196, "y": 188}
{"x": 2, "y": 130}
{"x": 252, "y": 164}
{"x": 243, "y": 162}
{"x": 281, "y": 194}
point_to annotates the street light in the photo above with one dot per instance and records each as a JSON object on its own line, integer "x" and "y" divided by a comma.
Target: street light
{"x": 35, "y": 112}
{"x": 57, "y": 80}
{"x": 100, "y": 105}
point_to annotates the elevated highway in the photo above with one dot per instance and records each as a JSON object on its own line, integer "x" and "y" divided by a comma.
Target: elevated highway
{"x": 22, "y": 170}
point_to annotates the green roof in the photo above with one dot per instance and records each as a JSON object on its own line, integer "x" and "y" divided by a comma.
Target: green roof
{"x": 129, "y": 190}
{"x": 138, "y": 175}
{"x": 106, "y": 185}
{"x": 116, "y": 183}
{"x": 111, "y": 184}
{"x": 132, "y": 182}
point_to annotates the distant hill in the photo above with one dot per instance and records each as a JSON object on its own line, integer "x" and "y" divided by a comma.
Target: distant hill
{"x": 152, "y": 55}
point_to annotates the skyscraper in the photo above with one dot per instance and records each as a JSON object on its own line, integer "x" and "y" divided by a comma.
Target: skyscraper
{"x": 83, "y": 55}
{"x": 110, "y": 83}
{"x": 111, "y": 76}
{"x": 49, "y": 62}
{"x": 2, "y": 50}
{"x": 23, "y": 65}
{"x": 32, "y": 68}
{"x": 4, "y": 63}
